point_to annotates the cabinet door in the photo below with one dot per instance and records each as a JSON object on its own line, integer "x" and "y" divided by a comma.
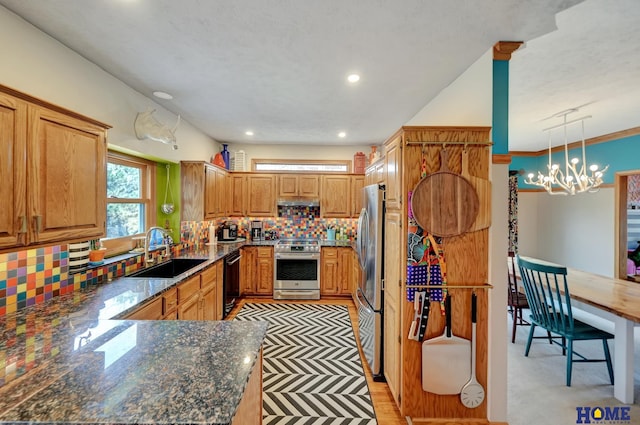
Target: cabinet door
{"x": 392, "y": 302}
{"x": 237, "y": 200}
{"x": 308, "y": 186}
{"x": 208, "y": 299}
{"x": 192, "y": 191}
{"x": 357, "y": 183}
{"x": 393, "y": 181}
{"x": 149, "y": 311}
{"x": 221, "y": 192}
{"x": 210, "y": 192}
{"x": 247, "y": 269}
{"x": 287, "y": 185}
{"x": 67, "y": 177}
{"x": 264, "y": 282}
{"x": 335, "y": 196}
{"x": 219, "y": 289}
{"x": 329, "y": 271}
{"x": 345, "y": 274}
{"x": 208, "y": 283}
{"x": 13, "y": 175}
{"x": 261, "y": 195}
{"x": 190, "y": 308}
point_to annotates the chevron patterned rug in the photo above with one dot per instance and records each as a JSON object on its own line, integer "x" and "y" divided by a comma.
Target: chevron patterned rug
{"x": 312, "y": 373}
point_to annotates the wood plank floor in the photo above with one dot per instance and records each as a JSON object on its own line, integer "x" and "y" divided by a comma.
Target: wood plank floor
{"x": 387, "y": 412}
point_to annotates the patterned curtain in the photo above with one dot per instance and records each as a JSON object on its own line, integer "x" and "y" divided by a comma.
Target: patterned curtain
{"x": 513, "y": 213}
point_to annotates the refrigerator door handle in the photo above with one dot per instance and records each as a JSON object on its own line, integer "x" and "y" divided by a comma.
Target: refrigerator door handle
{"x": 363, "y": 226}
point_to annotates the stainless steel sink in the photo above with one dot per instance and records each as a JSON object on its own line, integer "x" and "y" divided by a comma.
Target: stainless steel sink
{"x": 169, "y": 269}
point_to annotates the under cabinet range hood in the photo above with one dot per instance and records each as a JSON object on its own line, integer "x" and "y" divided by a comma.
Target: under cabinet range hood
{"x": 298, "y": 202}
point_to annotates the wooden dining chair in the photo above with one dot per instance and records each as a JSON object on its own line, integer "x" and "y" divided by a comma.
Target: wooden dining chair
{"x": 549, "y": 301}
{"x": 516, "y": 300}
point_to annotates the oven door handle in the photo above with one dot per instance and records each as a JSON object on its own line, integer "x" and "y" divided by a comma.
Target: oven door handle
{"x": 235, "y": 260}
{"x": 311, "y": 256}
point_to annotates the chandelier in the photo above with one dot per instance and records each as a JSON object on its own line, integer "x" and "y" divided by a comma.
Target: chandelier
{"x": 572, "y": 180}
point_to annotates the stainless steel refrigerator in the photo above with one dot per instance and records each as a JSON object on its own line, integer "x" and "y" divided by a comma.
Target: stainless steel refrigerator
{"x": 369, "y": 246}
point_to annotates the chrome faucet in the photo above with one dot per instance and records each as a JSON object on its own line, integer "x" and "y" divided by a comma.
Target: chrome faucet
{"x": 147, "y": 257}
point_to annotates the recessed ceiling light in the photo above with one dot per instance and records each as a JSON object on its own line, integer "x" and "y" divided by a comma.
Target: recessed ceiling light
{"x": 342, "y": 134}
{"x": 162, "y": 95}
{"x": 353, "y": 78}
{"x": 249, "y": 133}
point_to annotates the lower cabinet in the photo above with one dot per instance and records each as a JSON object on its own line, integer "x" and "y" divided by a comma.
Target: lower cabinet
{"x": 250, "y": 408}
{"x": 198, "y": 298}
{"x": 336, "y": 273}
{"x": 149, "y": 311}
{"x": 256, "y": 265}
{"x": 189, "y": 305}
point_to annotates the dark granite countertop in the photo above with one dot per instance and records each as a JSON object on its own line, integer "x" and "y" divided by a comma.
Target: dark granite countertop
{"x": 142, "y": 372}
{"x": 79, "y": 366}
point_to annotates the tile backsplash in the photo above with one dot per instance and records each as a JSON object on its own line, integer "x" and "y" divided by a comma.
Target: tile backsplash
{"x": 33, "y": 276}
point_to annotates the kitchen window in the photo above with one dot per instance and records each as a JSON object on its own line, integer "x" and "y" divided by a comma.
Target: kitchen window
{"x": 130, "y": 200}
{"x": 301, "y": 165}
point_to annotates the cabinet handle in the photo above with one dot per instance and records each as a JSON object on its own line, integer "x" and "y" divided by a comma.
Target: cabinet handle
{"x": 38, "y": 220}
{"x": 23, "y": 226}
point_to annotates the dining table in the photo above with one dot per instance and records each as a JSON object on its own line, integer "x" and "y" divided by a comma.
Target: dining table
{"x": 614, "y": 300}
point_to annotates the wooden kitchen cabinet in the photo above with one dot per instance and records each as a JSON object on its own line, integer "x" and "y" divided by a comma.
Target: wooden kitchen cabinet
{"x": 170, "y": 304}
{"x": 208, "y": 293}
{"x": 392, "y": 344}
{"x": 203, "y": 187}
{"x": 237, "y": 199}
{"x": 335, "y": 271}
{"x": 53, "y": 171}
{"x": 219, "y": 289}
{"x": 250, "y": 408}
{"x": 189, "y": 299}
{"x": 261, "y": 195}
{"x": 335, "y": 196}
{"x": 200, "y": 296}
{"x": 298, "y": 186}
{"x": 357, "y": 183}
{"x": 256, "y": 267}
{"x": 393, "y": 172}
{"x": 150, "y": 311}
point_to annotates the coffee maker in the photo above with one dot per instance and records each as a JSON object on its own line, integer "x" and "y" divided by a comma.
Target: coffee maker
{"x": 256, "y": 230}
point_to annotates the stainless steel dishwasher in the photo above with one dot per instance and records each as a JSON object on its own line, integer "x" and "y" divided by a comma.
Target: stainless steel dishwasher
{"x": 231, "y": 281}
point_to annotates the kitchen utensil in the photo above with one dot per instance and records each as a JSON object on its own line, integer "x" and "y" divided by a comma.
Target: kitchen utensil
{"x": 483, "y": 190}
{"x": 424, "y": 315}
{"x": 472, "y": 393}
{"x": 168, "y": 207}
{"x": 445, "y": 360}
{"x": 444, "y": 203}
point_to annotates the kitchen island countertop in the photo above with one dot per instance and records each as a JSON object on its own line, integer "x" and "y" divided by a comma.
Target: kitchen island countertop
{"x": 68, "y": 361}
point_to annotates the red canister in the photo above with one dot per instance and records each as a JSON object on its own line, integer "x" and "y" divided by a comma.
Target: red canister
{"x": 359, "y": 162}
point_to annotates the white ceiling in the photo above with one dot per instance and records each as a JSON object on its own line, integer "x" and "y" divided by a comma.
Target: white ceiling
{"x": 279, "y": 67}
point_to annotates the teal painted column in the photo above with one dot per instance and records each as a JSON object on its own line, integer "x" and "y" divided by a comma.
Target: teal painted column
{"x": 500, "y": 124}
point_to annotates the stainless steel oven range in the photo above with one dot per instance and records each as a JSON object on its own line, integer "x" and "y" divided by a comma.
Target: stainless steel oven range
{"x": 297, "y": 270}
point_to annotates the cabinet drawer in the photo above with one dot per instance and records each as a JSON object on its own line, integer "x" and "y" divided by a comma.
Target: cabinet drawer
{"x": 208, "y": 277}
{"x": 265, "y": 252}
{"x": 169, "y": 300}
{"x": 330, "y": 252}
{"x": 188, "y": 288}
{"x": 150, "y": 311}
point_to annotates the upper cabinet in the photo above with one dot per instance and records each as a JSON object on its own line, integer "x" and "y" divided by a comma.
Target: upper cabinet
{"x": 261, "y": 195}
{"x": 341, "y": 195}
{"x": 357, "y": 200}
{"x": 298, "y": 186}
{"x": 335, "y": 200}
{"x": 53, "y": 169}
{"x": 393, "y": 169}
{"x": 203, "y": 189}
